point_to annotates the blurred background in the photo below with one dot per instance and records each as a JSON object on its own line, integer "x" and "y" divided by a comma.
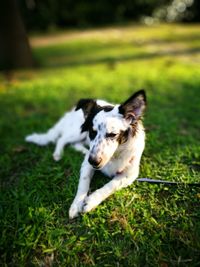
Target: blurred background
{"x": 52, "y": 14}
{"x": 33, "y": 17}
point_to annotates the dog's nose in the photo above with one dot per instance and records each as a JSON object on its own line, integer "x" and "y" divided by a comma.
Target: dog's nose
{"x": 95, "y": 161}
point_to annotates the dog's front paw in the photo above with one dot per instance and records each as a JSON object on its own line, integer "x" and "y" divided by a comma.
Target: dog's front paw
{"x": 75, "y": 209}
{"x": 91, "y": 203}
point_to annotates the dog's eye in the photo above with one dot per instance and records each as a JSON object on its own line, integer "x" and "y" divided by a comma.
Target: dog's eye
{"x": 92, "y": 134}
{"x": 110, "y": 135}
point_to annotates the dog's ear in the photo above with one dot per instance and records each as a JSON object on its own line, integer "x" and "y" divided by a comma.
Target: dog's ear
{"x": 133, "y": 108}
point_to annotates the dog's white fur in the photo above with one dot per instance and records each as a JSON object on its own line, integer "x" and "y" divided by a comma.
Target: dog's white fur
{"x": 117, "y": 159}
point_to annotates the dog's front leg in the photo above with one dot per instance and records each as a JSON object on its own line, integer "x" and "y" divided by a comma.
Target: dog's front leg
{"x": 86, "y": 174}
{"x": 101, "y": 194}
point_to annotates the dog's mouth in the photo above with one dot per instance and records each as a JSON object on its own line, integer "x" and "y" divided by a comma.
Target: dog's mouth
{"x": 97, "y": 167}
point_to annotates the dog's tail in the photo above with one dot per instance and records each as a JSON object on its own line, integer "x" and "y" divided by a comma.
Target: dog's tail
{"x": 50, "y": 136}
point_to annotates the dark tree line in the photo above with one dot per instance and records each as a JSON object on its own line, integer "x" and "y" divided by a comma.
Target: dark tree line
{"x": 42, "y": 15}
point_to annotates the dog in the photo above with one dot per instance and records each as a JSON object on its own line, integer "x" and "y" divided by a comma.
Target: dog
{"x": 112, "y": 137}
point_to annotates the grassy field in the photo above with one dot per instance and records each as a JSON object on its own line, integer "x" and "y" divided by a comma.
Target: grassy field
{"x": 143, "y": 225}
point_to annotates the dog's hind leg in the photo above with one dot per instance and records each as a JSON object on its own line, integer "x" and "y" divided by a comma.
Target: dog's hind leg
{"x": 69, "y": 138}
{"x": 52, "y": 135}
{"x": 80, "y": 147}
{"x": 66, "y": 131}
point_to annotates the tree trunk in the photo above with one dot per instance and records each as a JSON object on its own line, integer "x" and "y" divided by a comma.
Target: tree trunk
{"x": 15, "y": 51}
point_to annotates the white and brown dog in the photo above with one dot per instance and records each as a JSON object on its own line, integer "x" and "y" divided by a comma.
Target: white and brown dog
{"x": 115, "y": 137}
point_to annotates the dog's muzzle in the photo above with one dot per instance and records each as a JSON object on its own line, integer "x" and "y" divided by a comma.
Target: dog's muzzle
{"x": 95, "y": 162}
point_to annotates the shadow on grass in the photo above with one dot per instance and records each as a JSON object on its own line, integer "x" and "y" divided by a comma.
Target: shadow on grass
{"x": 109, "y": 51}
{"x": 61, "y": 61}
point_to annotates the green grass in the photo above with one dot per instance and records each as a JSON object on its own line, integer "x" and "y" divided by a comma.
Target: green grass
{"x": 143, "y": 225}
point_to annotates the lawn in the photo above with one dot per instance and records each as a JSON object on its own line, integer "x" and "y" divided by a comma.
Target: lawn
{"x": 143, "y": 225}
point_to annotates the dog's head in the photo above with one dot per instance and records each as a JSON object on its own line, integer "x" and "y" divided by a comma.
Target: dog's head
{"x": 111, "y": 126}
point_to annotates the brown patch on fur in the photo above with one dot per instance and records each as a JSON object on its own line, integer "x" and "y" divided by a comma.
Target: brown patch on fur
{"x": 123, "y": 136}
